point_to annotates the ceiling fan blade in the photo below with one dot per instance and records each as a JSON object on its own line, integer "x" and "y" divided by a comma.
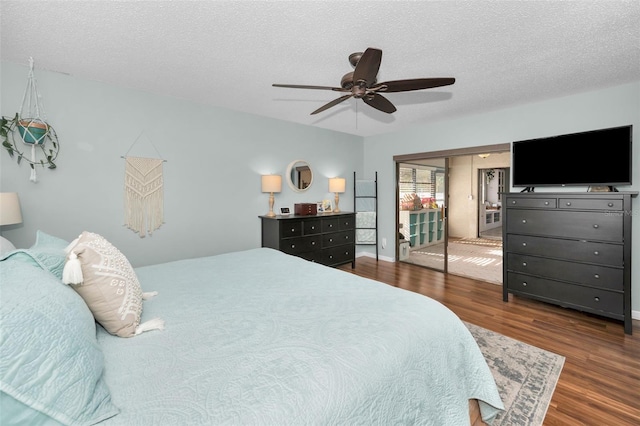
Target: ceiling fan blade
{"x": 332, "y": 103}
{"x": 301, "y": 86}
{"x": 368, "y": 66}
{"x": 414, "y": 84}
{"x": 379, "y": 102}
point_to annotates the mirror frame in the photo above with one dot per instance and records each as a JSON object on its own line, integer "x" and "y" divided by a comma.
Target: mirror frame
{"x": 290, "y": 170}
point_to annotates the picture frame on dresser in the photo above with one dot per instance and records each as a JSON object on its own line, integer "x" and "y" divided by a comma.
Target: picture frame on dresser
{"x": 570, "y": 249}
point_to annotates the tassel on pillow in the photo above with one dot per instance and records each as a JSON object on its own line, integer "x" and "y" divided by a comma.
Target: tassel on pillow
{"x": 72, "y": 272}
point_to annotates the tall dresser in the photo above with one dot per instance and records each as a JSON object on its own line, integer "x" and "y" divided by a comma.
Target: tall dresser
{"x": 570, "y": 249}
{"x": 327, "y": 238}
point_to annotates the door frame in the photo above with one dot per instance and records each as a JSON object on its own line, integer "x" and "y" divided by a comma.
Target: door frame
{"x": 408, "y": 158}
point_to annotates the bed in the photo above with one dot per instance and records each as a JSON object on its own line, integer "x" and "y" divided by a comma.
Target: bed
{"x": 255, "y": 337}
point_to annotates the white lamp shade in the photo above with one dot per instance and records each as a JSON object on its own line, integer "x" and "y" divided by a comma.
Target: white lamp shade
{"x": 9, "y": 208}
{"x": 337, "y": 184}
{"x": 271, "y": 183}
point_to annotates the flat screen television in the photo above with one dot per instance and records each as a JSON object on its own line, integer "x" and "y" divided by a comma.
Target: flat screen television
{"x": 593, "y": 158}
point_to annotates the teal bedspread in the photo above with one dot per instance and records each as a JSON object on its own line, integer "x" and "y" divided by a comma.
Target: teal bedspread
{"x": 262, "y": 338}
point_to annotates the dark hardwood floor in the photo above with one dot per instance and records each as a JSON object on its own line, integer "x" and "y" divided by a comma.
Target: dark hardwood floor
{"x": 600, "y": 380}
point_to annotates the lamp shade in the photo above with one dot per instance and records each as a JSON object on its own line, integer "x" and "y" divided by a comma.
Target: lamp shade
{"x": 337, "y": 184}
{"x": 271, "y": 183}
{"x": 9, "y": 208}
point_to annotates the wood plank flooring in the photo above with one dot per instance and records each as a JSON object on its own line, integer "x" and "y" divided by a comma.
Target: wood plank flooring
{"x": 600, "y": 381}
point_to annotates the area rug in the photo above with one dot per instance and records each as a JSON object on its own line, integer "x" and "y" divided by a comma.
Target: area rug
{"x": 526, "y": 376}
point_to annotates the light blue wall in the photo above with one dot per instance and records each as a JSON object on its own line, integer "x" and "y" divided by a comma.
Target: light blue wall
{"x": 214, "y": 159}
{"x": 610, "y": 107}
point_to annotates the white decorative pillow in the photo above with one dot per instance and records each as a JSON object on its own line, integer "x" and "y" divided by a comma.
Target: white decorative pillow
{"x": 107, "y": 282}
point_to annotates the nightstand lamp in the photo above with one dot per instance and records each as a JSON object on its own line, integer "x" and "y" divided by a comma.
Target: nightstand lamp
{"x": 9, "y": 215}
{"x": 337, "y": 186}
{"x": 271, "y": 184}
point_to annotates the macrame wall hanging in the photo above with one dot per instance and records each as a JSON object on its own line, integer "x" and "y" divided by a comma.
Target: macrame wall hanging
{"x": 29, "y": 128}
{"x": 143, "y": 193}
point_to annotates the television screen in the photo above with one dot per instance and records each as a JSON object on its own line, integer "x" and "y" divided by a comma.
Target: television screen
{"x": 594, "y": 158}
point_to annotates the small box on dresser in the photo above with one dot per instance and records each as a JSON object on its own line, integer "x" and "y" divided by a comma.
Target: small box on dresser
{"x": 570, "y": 249}
{"x": 327, "y": 238}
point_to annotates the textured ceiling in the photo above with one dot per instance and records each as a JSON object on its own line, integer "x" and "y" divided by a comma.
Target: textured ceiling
{"x": 228, "y": 53}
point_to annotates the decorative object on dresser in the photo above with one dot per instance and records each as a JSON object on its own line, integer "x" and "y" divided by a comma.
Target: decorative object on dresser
{"x": 570, "y": 249}
{"x": 271, "y": 184}
{"x": 328, "y": 238}
{"x": 305, "y": 209}
{"x": 10, "y": 214}
{"x": 337, "y": 186}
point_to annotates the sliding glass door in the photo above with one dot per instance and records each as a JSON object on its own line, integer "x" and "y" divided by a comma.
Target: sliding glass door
{"x": 422, "y": 212}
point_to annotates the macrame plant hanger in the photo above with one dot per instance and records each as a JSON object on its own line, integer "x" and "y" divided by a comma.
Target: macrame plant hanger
{"x": 143, "y": 192}
{"x": 32, "y": 123}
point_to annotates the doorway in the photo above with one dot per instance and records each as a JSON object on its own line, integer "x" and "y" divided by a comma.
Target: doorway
{"x": 458, "y": 213}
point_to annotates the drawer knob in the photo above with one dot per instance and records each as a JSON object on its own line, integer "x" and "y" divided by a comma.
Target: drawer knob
{"x": 330, "y": 240}
{"x": 293, "y": 229}
{"x": 524, "y": 244}
{"x": 524, "y": 263}
{"x": 330, "y": 256}
{"x": 596, "y": 276}
{"x": 524, "y": 284}
{"x": 597, "y": 299}
{"x": 313, "y": 227}
{"x": 596, "y": 253}
{"x": 293, "y": 246}
{"x": 596, "y": 226}
{"x": 330, "y": 226}
{"x": 313, "y": 243}
{"x": 513, "y": 202}
{"x": 610, "y": 204}
{"x": 568, "y": 203}
{"x": 346, "y": 237}
{"x": 546, "y": 203}
{"x": 524, "y": 220}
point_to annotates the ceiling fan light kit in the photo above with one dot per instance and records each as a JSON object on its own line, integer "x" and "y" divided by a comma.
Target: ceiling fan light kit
{"x": 362, "y": 84}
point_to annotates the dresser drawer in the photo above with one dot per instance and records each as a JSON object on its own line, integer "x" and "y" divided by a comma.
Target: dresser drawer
{"x": 347, "y": 223}
{"x": 531, "y": 202}
{"x": 579, "y": 273}
{"x": 301, "y": 244}
{"x": 311, "y": 226}
{"x": 338, "y": 238}
{"x": 585, "y": 251}
{"x": 565, "y": 294}
{"x": 336, "y": 255}
{"x": 571, "y": 224}
{"x": 589, "y": 204}
{"x": 330, "y": 225}
{"x": 290, "y": 228}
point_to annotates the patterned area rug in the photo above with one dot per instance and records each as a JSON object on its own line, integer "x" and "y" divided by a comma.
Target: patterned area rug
{"x": 526, "y": 376}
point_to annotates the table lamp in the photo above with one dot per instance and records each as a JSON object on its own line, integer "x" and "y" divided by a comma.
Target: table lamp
{"x": 271, "y": 184}
{"x": 9, "y": 215}
{"x": 337, "y": 186}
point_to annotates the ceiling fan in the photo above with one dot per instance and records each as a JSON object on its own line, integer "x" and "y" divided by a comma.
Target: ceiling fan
{"x": 361, "y": 83}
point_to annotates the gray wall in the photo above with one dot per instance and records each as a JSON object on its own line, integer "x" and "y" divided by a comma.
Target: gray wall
{"x": 615, "y": 106}
{"x": 214, "y": 159}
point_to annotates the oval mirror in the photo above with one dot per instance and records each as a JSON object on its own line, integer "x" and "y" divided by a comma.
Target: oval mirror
{"x": 299, "y": 175}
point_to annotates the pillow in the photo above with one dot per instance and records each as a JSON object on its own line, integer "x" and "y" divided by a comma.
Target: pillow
{"x": 107, "y": 282}
{"x": 47, "y": 253}
{"x": 50, "y": 361}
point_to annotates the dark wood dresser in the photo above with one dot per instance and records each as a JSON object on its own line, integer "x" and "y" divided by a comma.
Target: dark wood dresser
{"x": 327, "y": 238}
{"x": 570, "y": 249}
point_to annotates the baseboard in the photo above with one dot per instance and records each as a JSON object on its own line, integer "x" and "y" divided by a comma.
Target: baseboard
{"x": 635, "y": 315}
{"x": 373, "y": 256}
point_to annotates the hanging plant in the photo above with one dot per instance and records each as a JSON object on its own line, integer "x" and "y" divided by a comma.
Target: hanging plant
{"x": 34, "y": 133}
